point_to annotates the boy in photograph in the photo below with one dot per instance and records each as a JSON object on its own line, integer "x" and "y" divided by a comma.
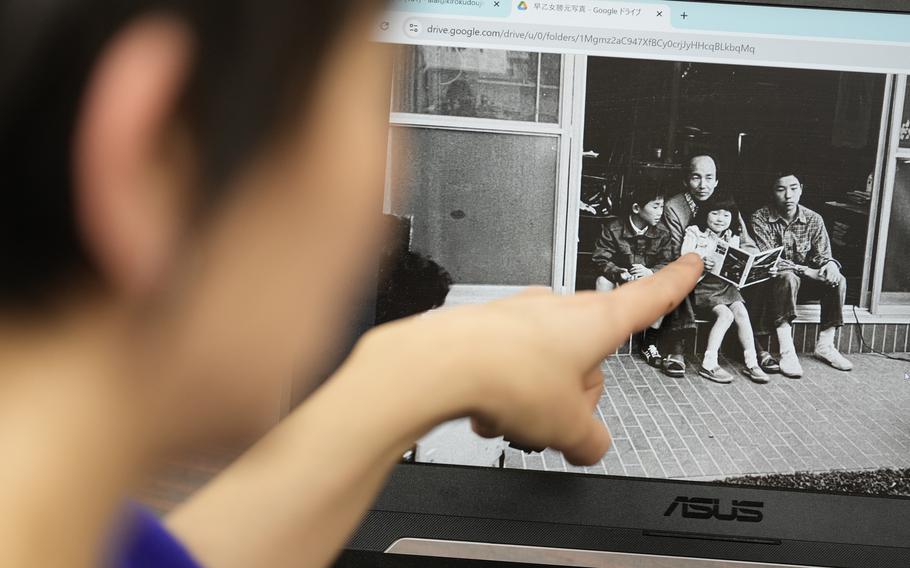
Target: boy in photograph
{"x": 635, "y": 245}
{"x": 807, "y": 264}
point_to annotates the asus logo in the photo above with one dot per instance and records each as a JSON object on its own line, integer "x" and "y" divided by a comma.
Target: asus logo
{"x": 700, "y": 508}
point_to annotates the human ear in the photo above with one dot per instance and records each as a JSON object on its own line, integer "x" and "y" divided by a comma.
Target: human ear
{"x": 131, "y": 172}
{"x": 636, "y": 208}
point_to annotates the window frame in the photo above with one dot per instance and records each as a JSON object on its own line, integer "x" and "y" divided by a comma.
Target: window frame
{"x": 474, "y": 293}
{"x": 889, "y": 305}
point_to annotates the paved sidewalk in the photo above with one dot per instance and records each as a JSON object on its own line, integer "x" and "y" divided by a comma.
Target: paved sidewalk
{"x": 694, "y": 429}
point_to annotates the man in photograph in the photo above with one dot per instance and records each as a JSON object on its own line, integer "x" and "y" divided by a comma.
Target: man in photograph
{"x": 699, "y": 184}
{"x": 806, "y": 264}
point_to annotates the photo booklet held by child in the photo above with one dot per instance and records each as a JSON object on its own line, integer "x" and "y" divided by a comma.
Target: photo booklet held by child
{"x": 731, "y": 263}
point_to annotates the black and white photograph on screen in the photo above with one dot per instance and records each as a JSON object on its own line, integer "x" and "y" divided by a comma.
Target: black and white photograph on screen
{"x": 761, "y": 161}
{"x": 788, "y": 363}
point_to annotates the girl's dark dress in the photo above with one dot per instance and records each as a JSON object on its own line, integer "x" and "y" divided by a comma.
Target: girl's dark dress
{"x": 713, "y": 291}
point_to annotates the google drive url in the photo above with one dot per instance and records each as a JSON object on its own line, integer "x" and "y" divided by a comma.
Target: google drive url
{"x": 595, "y": 40}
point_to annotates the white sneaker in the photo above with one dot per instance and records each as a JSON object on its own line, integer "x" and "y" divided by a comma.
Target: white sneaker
{"x": 789, "y": 366}
{"x": 830, "y": 355}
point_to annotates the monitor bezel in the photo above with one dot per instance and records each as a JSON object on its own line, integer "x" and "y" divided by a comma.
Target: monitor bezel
{"x": 420, "y": 493}
{"x": 892, "y": 6}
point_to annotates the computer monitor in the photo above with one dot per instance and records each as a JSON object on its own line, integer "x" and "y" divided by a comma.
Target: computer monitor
{"x": 528, "y": 141}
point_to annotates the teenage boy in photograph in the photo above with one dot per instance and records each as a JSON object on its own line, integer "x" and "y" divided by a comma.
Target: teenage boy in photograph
{"x": 699, "y": 184}
{"x": 807, "y": 264}
{"x": 635, "y": 245}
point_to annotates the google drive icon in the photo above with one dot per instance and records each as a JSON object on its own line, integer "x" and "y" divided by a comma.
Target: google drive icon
{"x": 522, "y": 5}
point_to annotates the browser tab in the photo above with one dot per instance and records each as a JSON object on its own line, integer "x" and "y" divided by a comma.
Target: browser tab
{"x": 482, "y": 8}
{"x": 593, "y": 13}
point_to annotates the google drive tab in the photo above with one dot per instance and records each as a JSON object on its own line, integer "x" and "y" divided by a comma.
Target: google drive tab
{"x": 596, "y": 14}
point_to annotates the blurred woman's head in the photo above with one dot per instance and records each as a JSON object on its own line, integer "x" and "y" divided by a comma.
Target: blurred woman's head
{"x": 207, "y": 175}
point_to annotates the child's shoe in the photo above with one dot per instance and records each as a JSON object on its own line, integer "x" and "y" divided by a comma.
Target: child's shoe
{"x": 768, "y": 363}
{"x": 717, "y": 374}
{"x": 756, "y": 375}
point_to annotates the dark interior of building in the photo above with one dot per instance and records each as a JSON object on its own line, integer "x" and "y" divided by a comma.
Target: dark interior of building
{"x": 643, "y": 118}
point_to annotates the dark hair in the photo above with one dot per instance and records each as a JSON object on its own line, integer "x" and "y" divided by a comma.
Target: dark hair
{"x": 717, "y": 202}
{"x": 252, "y": 64}
{"x": 780, "y": 174}
{"x": 645, "y": 192}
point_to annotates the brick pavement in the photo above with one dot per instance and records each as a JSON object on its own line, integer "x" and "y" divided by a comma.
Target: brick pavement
{"x": 694, "y": 429}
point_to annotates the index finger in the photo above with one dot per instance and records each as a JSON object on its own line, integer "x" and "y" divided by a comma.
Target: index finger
{"x": 615, "y": 315}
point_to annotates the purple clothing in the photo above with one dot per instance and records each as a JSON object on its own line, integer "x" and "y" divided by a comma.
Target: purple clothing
{"x": 148, "y": 544}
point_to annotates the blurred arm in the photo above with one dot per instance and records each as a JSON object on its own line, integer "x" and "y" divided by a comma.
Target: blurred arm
{"x": 295, "y": 498}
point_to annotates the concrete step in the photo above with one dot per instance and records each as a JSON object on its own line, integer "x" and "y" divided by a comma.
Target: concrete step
{"x": 852, "y": 338}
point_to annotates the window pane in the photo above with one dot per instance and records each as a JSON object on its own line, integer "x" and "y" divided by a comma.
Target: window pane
{"x": 482, "y": 83}
{"x": 897, "y": 269}
{"x": 550, "y": 75}
{"x": 483, "y": 204}
{"x": 905, "y": 120}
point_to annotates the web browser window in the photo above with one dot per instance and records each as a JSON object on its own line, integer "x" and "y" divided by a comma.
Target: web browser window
{"x": 583, "y": 144}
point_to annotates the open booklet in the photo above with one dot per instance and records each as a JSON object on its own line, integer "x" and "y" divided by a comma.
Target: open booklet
{"x": 731, "y": 263}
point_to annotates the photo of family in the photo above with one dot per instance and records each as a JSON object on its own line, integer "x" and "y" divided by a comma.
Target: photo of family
{"x": 768, "y": 174}
{"x": 655, "y": 229}
{"x": 586, "y": 173}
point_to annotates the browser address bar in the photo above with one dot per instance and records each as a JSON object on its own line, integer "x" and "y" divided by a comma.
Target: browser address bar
{"x": 650, "y": 44}
{"x": 582, "y": 13}
{"x": 578, "y": 38}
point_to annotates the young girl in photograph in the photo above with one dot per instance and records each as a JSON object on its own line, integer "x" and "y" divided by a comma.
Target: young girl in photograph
{"x": 718, "y": 299}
